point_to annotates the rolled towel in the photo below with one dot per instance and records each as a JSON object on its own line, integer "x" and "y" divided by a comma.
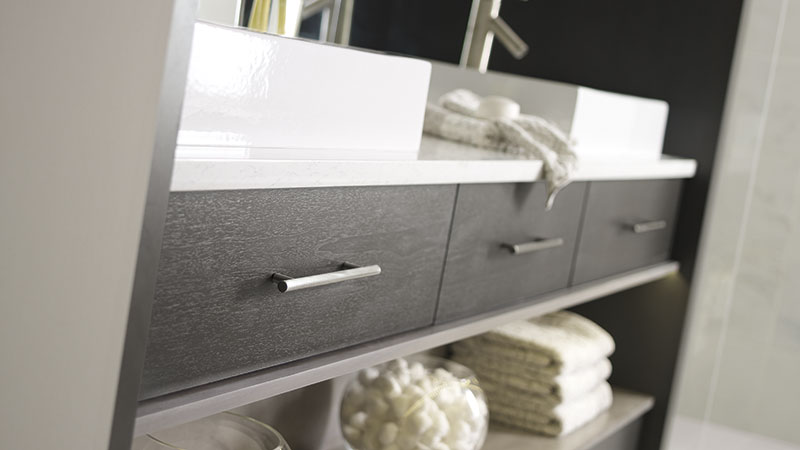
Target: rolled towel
{"x": 561, "y": 420}
{"x": 551, "y": 389}
{"x": 555, "y": 343}
{"x": 457, "y": 118}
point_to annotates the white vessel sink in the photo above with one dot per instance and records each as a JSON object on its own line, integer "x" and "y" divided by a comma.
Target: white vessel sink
{"x": 605, "y": 126}
{"x": 295, "y": 99}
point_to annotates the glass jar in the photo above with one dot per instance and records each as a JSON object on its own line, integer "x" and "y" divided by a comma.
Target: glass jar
{"x": 223, "y": 431}
{"x": 421, "y": 402}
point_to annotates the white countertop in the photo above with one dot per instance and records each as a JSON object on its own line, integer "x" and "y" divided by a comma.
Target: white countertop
{"x": 438, "y": 162}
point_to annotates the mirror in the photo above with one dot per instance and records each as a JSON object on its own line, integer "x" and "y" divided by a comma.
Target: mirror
{"x": 323, "y": 20}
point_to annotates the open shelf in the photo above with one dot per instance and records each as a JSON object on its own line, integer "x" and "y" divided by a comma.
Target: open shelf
{"x": 192, "y": 404}
{"x": 627, "y": 407}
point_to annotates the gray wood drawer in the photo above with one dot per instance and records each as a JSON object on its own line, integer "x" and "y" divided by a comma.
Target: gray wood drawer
{"x": 608, "y": 243}
{"x": 481, "y": 273}
{"x": 216, "y": 312}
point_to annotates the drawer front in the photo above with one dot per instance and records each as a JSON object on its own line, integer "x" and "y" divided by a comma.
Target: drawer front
{"x": 217, "y": 313}
{"x": 627, "y": 224}
{"x": 482, "y": 271}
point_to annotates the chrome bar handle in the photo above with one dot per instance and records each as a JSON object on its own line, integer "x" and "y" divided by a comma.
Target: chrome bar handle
{"x": 534, "y": 246}
{"x": 646, "y": 227}
{"x": 349, "y": 272}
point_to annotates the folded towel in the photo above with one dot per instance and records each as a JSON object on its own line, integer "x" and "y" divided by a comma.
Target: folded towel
{"x": 550, "y": 390}
{"x": 555, "y": 343}
{"x": 456, "y": 119}
{"x": 561, "y": 420}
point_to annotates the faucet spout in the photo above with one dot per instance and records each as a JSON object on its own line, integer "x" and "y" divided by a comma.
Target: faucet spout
{"x": 484, "y": 24}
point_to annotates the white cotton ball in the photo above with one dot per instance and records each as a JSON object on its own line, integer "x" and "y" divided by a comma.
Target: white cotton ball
{"x": 388, "y": 385}
{"x": 388, "y": 433}
{"x": 459, "y": 430}
{"x": 425, "y": 384}
{"x": 377, "y": 407}
{"x": 429, "y": 438}
{"x": 448, "y": 395}
{"x": 418, "y": 422}
{"x": 367, "y": 376}
{"x": 440, "y": 446}
{"x": 443, "y": 375}
{"x": 404, "y": 378}
{"x": 441, "y": 423}
{"x": 414, "y": 391}
{"x": 400, "y": 405}
{"x": 406, "y": 441}
{"x": 461, "y": 445}
{"x": 398, "y": 365}
{"x": 417, "y": 370}
{"x": 352, "y": 434}
{"x": 370, "y": 438}
{"x": 358, "y": 419}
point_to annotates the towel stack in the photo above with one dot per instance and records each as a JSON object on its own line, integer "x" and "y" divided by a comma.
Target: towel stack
{"x": 546, "y": 375}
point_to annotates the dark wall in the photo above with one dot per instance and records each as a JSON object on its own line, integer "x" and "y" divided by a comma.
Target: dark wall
{"x": 675, "y": 50}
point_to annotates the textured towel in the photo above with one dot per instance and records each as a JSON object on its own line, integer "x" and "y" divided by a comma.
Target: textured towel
{"x": 552, "y": 344}
{"x": 561, "y": 420}
{"x": 548, "y": 390}
{"x": 455, "y": 119}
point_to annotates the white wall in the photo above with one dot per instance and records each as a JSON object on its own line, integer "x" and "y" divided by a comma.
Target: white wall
{"x": 738, "y": 385}
{"x": 79, "y": 82}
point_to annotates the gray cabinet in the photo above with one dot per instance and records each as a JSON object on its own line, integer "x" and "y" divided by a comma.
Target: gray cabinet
{"x": 627, "y": 224}
{"x": 505, "y": 248}
{"x": 217, "y": 312}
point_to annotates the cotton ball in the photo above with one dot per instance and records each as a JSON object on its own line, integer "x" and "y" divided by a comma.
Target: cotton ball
{"x": 417, "y": 370}
{"x": 370, "y": 438}
{"x": 414, "y": 391}
{"x": 443, "y": 375}
{"x": 388, "y": 385}
{"x": 400, "y": 405}
{"x": 406, "y": 441}
{"x": 440, "y": 446}
{"x": 404, "y": 378}
{"x": 388, "y": 433}
{"x": 459, "y": 430}
{"x": 377, "y": 407}
{"x": 461, "y": 445}
{"x": 398, "y": 365}
{"x": 418, "y": 422}
{"x": 441, "y": 423}
{"x": 352, "y": 434}
{"x": 354, "y": 400}
{"x": 367, "y": 376}
{"x": 358, "y": 419}
{"x": 425, "y": 384}
{"x": 429, "y": 438}
{"x": 448, "y": 395}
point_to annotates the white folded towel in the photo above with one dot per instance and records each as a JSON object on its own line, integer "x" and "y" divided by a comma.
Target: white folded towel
{"x": 561, "y": 420}
{"x": 552, "y": 344}
{"x": 548, "y": 390}
{"x": 456, "y": 119}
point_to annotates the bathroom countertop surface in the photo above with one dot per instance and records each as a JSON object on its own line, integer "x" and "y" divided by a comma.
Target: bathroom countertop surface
{"x": 438, "y": 162}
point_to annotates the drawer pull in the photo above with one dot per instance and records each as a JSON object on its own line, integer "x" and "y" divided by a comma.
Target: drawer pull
{"x": 534, "y": 246}
{"x": 348, "y": 272}
{"x": 646, "y": 227}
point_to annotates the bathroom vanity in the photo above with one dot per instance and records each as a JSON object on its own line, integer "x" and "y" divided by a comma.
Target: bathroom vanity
{"x": 283, "y": 271}
{"x": 269, "y": 284}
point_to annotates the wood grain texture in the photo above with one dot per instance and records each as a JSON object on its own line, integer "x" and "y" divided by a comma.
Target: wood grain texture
{"x": 608, "y": 245}
{"x": 480, "y": 274}
{"x": 216, "y": 313}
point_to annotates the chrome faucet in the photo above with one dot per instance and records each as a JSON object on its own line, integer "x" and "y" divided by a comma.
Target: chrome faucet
{"x": 484, "y": 24}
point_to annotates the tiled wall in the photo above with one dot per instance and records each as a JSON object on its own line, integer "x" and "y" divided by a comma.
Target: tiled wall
{"x": 741, "y": 361}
